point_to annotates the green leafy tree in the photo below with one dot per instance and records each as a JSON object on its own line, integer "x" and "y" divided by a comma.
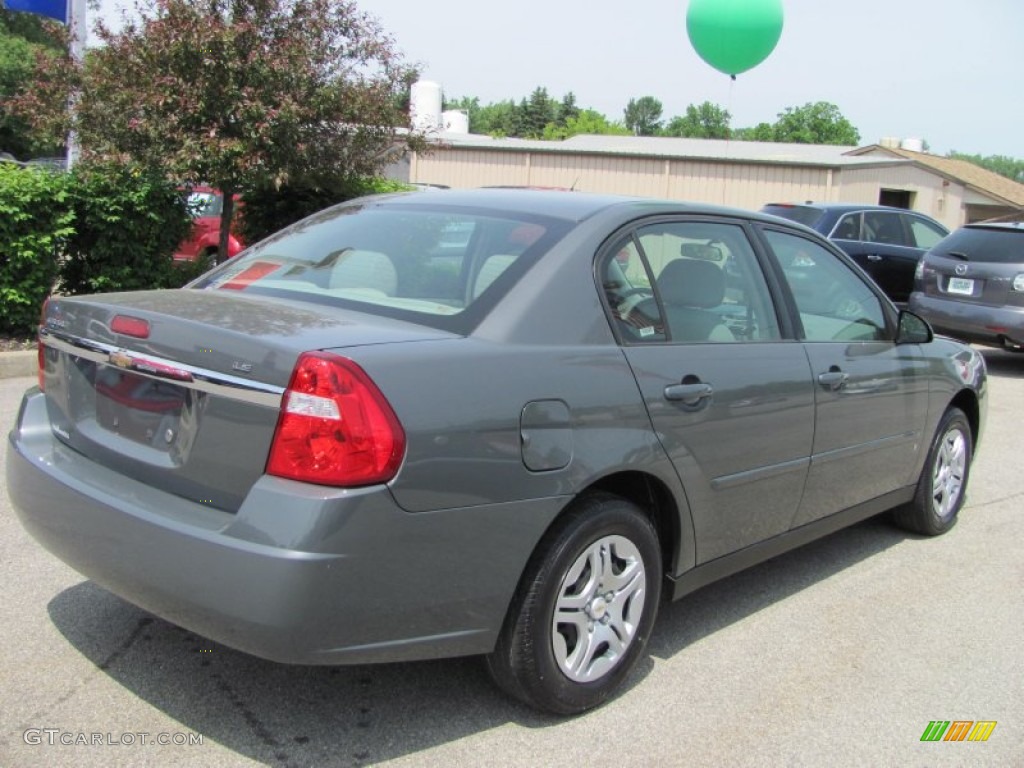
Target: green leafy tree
{"x": 702, "y": 121}
{"x": 643, "y": 115}
{"x": 1010, "y": 167}
{"x": 587, "y": 122}
{"x": 760, "y": 132}
{"x": 235, "y": 93}
{"x": 815, "y": 123}
{"x": 497, "y": 119}
{"x": 22, "y": 36}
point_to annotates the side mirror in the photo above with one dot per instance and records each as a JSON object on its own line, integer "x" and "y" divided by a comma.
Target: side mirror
{"x": 913, "y": 329}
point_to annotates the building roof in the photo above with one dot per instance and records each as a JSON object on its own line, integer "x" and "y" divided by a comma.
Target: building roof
{"x": 720, "y": 150}
{"x": 980, "y": 179}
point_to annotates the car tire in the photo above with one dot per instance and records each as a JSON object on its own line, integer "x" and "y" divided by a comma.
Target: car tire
{"x": 584, "y": 609}
{"x": 942, "y": 489}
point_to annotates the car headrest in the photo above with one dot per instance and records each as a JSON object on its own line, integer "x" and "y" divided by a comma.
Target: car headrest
{"x": 692, "y": 283}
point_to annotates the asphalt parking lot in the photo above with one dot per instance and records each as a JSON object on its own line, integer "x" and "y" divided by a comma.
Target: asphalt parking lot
{"x": 840, "y": 653}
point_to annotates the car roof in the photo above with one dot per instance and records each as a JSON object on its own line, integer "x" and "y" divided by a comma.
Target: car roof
{"x": 1017, "y": 226}
{"x": 842, "y": 207}
{"x": 567, "y": 205}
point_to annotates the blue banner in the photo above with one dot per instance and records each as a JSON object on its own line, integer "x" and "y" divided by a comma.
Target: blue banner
{"x": 55, "y": 9}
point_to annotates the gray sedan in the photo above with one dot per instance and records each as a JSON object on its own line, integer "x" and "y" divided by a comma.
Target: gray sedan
{"x": 495, "y": 422}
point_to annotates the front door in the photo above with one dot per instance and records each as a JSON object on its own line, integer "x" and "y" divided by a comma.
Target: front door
{"x": 871, "y": 395}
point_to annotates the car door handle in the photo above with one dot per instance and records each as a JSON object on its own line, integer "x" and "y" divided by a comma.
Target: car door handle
{"x": 874, "y": 257}
{"x": 834, "y": 379}
{"x": 689, "y": 394}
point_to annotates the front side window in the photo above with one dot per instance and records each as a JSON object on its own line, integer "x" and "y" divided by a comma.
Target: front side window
{"x": 834, "y": 303}
{"x": 884, "y": 227}
{"x": 688, "y": 281}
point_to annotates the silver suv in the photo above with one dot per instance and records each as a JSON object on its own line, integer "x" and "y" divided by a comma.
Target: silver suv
{"x": 971, "y": 285}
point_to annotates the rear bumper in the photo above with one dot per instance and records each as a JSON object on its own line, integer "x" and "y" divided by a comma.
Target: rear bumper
{"x": 301, "y": 574}
{"x": 996, "y": 326}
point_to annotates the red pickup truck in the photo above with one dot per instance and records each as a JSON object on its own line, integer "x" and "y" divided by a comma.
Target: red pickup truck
{"x": 206, "y": 204}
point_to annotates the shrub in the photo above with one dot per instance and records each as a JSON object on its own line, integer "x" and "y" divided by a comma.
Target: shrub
{"x": 35, "y": 216}
{"x": 128, "y": 222}
{"x": 270, "y": 209}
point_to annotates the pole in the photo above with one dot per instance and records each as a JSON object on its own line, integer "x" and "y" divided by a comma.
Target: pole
{"x": 78, "y": 30}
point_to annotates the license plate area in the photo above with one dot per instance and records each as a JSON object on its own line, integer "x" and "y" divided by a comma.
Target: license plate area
{"x": 144, "y": 410}
{"x": 961, "y": 286}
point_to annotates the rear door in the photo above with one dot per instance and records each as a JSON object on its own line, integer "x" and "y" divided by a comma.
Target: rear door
{"x": 871, "y": 395}
{"x": 729, "y": 396}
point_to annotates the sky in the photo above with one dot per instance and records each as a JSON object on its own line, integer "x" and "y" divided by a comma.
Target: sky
{"x": 935, "y": 70}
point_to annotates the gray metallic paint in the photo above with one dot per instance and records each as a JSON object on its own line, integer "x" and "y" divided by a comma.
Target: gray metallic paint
{"x": 427, "y": 565}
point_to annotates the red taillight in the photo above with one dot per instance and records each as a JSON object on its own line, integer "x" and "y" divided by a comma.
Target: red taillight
{"x": 127, "y": 325}
{"x": 335, "y": 428}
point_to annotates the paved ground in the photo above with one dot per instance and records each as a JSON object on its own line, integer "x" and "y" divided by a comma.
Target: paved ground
{"x": 838, "y": 654}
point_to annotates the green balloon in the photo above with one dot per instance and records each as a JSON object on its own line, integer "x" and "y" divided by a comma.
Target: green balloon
{"x": 734, "y": 35}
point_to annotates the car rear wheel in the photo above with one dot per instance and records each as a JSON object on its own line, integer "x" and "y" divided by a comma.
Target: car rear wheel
{"x": 584, "y": 609}
{"x": 942, "y": 488}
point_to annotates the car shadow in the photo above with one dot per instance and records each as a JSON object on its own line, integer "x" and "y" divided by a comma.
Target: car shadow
{"x": 1001, "y": 362}
{"x": 350, "y": 716}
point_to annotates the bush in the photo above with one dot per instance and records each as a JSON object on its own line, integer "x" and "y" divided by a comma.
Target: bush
{"x": 128, "y": 223}
{"x": 270, "y": 209}
{"x": 35, "y": 216}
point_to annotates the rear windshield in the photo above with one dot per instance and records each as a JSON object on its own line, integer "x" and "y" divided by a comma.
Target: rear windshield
{"x": 983, "y": 245}
{"x": 800, "y": 213}
{"x": 420, "y": 262}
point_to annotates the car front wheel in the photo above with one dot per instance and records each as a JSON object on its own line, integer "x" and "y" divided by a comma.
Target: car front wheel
{"x": 584, "y": 609}
{"x": 941, "y": 491}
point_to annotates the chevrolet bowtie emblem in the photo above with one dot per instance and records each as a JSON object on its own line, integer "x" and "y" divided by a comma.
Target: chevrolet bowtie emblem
{"x": 121, "y": 359}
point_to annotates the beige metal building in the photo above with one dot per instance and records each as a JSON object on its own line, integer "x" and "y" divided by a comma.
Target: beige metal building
{"x": 733, "y": 173}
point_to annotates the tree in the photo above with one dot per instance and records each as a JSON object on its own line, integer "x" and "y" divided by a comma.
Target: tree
{"x": 587, "y": 122}
{"x": 536, "y": 113}
{"x": 643, "y": 115}
{"x": 239, "y": 94}
{"x": 704, "y": 121}
{"x": 760, "y": 132}
{"x": 22, "y": 35}
{"x": 567, "y": 109}
{"x": 815, "y": 123}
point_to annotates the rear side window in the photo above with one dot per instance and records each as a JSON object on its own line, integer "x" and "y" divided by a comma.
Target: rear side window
{"x": 983, "y": 245}
{"x": 401, "y": 260}
{"x": 924, "y": 232}
{"x": 687, "y": 282}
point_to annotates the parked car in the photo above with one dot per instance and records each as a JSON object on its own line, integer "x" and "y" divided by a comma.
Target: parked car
{"x": 206, "y": 205}
{"x": 971, "y": 285}
{"x": 886, "y": 242}
{"x": 365, "y": 440}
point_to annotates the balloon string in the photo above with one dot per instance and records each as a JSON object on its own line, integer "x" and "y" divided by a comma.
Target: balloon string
{"x": 728, "y": 135}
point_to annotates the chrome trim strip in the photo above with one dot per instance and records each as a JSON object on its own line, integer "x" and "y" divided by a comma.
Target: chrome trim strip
{"x": 203, "y": 379}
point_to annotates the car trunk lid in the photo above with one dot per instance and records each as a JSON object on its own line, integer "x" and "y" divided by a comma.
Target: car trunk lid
{"x": 182, "y": 389}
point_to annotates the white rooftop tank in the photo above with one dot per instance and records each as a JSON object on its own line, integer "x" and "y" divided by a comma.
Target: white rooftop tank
{"x": 425, "y": 105}
{"x": 912, "y": 145}
{"x": 455, "y": 121}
